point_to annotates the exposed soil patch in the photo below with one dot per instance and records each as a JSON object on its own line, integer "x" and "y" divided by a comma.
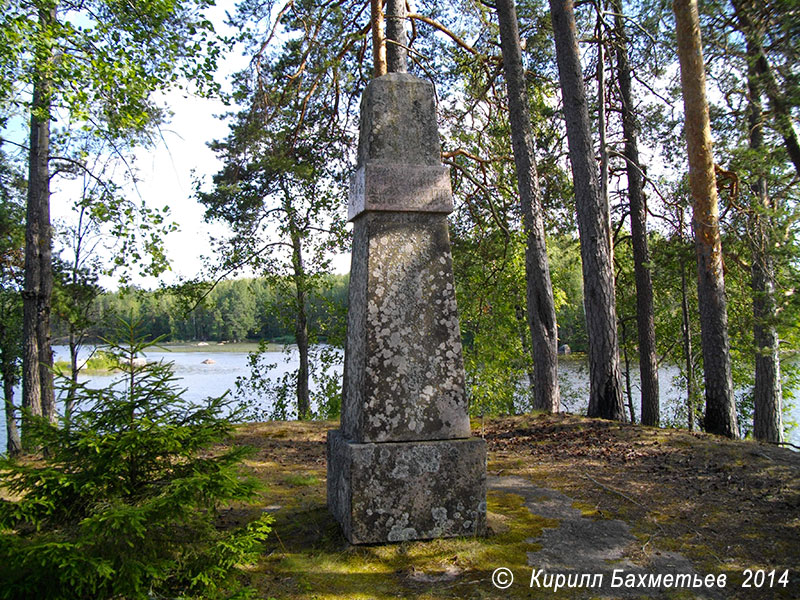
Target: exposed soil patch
{"x": 662, "y": 500}
{"x": 727, "y": 505}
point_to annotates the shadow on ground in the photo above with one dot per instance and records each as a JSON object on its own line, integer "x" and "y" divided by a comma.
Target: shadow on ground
{"x": 567, "y": 495}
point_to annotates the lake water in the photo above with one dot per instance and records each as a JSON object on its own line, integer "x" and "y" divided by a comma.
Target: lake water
{"x": 202, "y": 381}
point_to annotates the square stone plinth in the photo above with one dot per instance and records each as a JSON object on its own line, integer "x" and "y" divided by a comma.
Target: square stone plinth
{"x": 400, "y": 188}
{"x": 396, "y": 491}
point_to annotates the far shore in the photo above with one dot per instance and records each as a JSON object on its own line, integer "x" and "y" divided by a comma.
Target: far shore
{"x": 63, "y": 366}
{"x": 198, "y": 346}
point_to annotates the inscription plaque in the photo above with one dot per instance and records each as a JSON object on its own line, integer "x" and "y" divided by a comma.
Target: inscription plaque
{"x": 400, "y": 188}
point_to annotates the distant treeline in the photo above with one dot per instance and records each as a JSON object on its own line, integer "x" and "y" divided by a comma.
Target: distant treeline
{"x": 234, "y": 310}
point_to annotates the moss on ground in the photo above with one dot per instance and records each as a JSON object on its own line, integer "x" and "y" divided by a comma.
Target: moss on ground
{"x": 727, "y": 506}
{"x": 309, "y": 558}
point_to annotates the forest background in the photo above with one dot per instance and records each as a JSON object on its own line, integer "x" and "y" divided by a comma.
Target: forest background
{"x": 281, "y": 190}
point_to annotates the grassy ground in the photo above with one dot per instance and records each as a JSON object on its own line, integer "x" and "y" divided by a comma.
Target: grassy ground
{"x": 727, "y": 506}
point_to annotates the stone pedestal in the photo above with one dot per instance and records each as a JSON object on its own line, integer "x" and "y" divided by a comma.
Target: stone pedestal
{"x": 403, "y": 465}
{"x": 395, "y": 491}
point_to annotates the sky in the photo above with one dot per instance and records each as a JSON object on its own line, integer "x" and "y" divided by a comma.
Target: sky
{"x": 168, "y": 176}
{"x": 167, "y": 173}
{"x": 165, "y": 178}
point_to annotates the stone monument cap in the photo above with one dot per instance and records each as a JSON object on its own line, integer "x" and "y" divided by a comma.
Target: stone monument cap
{"x": 398, "y": 122}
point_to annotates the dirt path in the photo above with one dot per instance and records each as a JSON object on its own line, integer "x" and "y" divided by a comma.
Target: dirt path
{"x": 581, "y": 545}
{"x": 730, "y": 507}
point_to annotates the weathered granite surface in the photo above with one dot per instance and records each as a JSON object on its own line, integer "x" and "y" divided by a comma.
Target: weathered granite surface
{"x": 407, "y": 491}
{"x": 406, "y": 188}
{"x": 398, "y": 122}
{"x": 402, "y": 466}
{"x": 405, "y": 372}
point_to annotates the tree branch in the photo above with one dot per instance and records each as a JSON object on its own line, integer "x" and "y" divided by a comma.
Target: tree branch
{"x": 446, "y": 31}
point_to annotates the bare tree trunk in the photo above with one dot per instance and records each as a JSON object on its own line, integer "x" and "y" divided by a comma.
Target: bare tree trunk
{"x": 35, "y": 237}
{"x": 43, "y": 324}
{"x": 44, "y": 303}
{"x": 645, "y": 320}
{"x": 74, "y": 348}
{"x": 396, "y": 36}
{"x": 720, "y": 417}
{"x": 605, "y": 396}
{"x": 524, "y": 338}
{"x": 378, "y": 39}
{"x": 37, "y": 386}
{"x": 686, "y": 329}
{"x": 301, "y": 337}
{"x": 541, "y": 306}
{"x": 13, "y": 443}
{"x": 628, "y": 388}
{"x": 767, "y": 418}
{"x": 601, "y": 110}
{"x": 301, "y": 317}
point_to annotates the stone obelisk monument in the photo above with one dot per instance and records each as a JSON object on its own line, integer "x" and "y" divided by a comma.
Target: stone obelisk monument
{"x": 403, "y": 465}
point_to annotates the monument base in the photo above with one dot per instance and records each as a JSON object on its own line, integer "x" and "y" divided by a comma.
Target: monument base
{"x": 395, "y": 491}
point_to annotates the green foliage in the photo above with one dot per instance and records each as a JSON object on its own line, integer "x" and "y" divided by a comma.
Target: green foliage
{"x": 123, "y": 503}
{"x": 491, "y": 295}
{"x": 100, "y": 361}
{"x": 111, "y": 57}
{"x": 490, "y": 288}
{"x": 233, "y": 310}
{"x": 261, "y": 388}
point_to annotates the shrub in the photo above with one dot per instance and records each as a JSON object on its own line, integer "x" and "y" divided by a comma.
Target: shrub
{"x": 123, "y": 502}
{"x": 101, "y": 361}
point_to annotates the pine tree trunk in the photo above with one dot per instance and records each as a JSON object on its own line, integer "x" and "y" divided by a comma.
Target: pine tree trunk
{"x": 686, "y": 330}
{"x": 626, "y": 361}
{"x": 767, "y": 417}
{"x": 720, "y": 417}
{"x": 601, "y": 110}
{"x": 605, "y": 395}
{"x": 37, "y": 359}
{"x": 13, "y": 443}
{"x": 762, "y": 72}
{"x": 396, "y": 36}
{"x": 645, "y": 321}
{"x": 301, "y": 317}
{"x": 378, "y": 39}
{"x": 35, "y": 237}
{"x": 69, "y": 403}
{"x": 541, "y": 306}
{"x": 524, "y": 338}
{"x": 301, "y": 337}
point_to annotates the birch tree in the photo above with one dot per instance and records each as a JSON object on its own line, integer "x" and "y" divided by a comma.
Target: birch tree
{"x": 100, "y": 74}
